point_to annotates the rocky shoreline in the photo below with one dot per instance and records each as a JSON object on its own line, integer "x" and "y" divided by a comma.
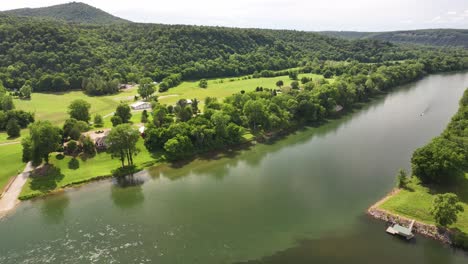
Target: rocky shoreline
{"x": 431, "y": 231}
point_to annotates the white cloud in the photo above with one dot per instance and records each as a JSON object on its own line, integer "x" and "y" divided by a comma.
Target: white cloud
{"x": 452, "y": 13}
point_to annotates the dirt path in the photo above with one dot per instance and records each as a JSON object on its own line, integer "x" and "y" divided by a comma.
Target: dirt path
{"x": 10, "y": 197}
{"x": 9, "y": 143}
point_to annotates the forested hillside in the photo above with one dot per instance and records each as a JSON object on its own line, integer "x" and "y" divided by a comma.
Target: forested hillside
{"x": 433, "y": 37}
{"x": 57, "y": 56}
{"x": 70, "y": 12}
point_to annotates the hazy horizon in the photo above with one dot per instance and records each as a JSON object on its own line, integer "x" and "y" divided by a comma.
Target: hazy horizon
{"x": 333, "y": 15}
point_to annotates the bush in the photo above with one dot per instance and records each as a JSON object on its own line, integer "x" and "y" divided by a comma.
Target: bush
{"x": 73, "y": 164}
{"x": 124, "y": 171}
{"x": 98, "y": 120}
{"x": 402, "y": 180}
{"x": 12, "y": 128}
{"x": 203, "y": 83}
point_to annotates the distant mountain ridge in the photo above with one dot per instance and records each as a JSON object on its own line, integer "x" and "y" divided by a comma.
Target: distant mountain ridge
{"x": 432, "y": 37}
{"x": 74, "y": 12}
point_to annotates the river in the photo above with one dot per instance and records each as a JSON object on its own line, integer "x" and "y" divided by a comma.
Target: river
{"x": 301, "y": 199}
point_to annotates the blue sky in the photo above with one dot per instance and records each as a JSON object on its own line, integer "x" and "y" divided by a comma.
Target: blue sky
{"x": 312, "y": 15}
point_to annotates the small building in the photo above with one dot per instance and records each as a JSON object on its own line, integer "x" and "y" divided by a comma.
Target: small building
{"x": 140, "y": 105}
{"x": 338, "y": 108}
{"x": 189, "y": 101}
{"x": 142, "y": 131}
{"x": 100, "y": 143}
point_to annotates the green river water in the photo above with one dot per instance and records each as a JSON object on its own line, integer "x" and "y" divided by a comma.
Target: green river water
{"x": 301, "y": 199}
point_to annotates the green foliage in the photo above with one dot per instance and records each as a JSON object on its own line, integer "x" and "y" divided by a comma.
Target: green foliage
{"x": 74, "y": 164}
{"x": 122, "y": 141}
{"x": 445, "y": 209}
{"x": 124, "y": 112}
{"x": 72, "y": 147}
{"x": 144, "y": 116}
{"x": 279, "y": 83}
{"x": 146, "y": 88}
{"x": 402, "y": 179}
{"x": 88, "y": 146}
{"x": 26, "y": 143}
{"x": 73, "y": 128}
{"x": 179, "y": 147}
{"x": 45, "y": 138}
{"x": 99, "y": 86}
{"x": 293, "y": 75}
{"x": 440, "y": 161}
{"x": 25, "y": 91}
{"x": 203, "y": 83}
{"x": 295, "y": 85}
{"x": 116, "y": 120}
{"x": 12, "y": 128}
{"x": 7, "y": 103}
{"x": 79, "y": 110}
{"x": 64, "y": 54}
{"x": 98, "y": 120}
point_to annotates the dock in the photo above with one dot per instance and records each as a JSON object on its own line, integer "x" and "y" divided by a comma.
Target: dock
{"x": 405, "y": 232}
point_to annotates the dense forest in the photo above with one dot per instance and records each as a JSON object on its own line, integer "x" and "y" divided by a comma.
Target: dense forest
{"x": 433, "y": 37}
{"x": 57, "y": 56}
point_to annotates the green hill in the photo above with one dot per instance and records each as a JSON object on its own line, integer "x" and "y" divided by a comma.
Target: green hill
{"x": 71, "y": 12}
{"x": 432, "y": 37}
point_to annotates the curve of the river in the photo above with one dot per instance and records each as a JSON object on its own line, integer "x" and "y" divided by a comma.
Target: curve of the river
{"x": 301, "y": 199}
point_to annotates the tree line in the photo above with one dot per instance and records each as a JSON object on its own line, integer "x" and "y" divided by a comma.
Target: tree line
{"x": 56, "y": 56}
{"x": 182, "y": 131}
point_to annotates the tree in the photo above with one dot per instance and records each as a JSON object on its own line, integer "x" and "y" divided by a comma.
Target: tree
{"x": 122, "y": 141}
{"x": 146, "y": 88}
{"x": 27, "y": 149}
{"x": 73, "y": 128}
{"x": 279, "y": 83}
{"x": 295, "y": 85}
{"x": 144, "y": 116}
{"x": 45, "y": 138}
{"x": 439, "y": 161}
{"x": 445, "y": 208}
{"x": 203, "y": 83}
{"x": 178, "y": 147}
{"x": 98, "y": 120}
{"x": 7, "y": 103}
{"x": 402, "y": 180}
{"x": 116, "y": 120}
{"x": 72, "y": 147}
{"x": 124, "y": 112}
{"x": 88, "y": 146}
{"x": 79, "y": 110}
{"x": 293, "y": 75}
{"x": 256, "y": 114}
{"x": 12, "y": 128}
{"x": 328, "y": 74}
{"x": 25, "y": 91}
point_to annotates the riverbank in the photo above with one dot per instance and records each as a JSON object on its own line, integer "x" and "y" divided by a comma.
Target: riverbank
{"x": 425, "y": 229}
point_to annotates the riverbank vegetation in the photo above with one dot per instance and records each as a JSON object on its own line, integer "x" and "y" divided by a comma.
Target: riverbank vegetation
{"x": 439, "y": 167}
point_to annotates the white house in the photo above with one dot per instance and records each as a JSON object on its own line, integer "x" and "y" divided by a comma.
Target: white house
{"x": 140, "y": 105}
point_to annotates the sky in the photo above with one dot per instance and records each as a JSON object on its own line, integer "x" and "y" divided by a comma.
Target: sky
{"x": 311, "y": 15}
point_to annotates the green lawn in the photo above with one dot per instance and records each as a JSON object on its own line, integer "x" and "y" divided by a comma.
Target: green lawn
{"x": 222, "y": 88}
{"x": 10, "y": 157}
{"x": 100, "y": 165}
{"x": 54, "y": 106}
{"x": 416, "y": 202}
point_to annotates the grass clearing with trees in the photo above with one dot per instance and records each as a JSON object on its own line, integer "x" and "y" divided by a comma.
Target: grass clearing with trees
{"x": 100, "y": 165}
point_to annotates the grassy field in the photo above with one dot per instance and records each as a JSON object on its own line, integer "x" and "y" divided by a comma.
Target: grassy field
{"x": 222, "y": 88}
{"x": 10, "y": 157}
{"x": 100, "y": 165}
{"x": 54, "y": 106}
{"x": 416, "y": 202}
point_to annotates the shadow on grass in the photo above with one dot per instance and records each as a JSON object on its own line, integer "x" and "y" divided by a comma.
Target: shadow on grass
{"x": 458, "y": 187}
{"x": 45, "y": 178}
